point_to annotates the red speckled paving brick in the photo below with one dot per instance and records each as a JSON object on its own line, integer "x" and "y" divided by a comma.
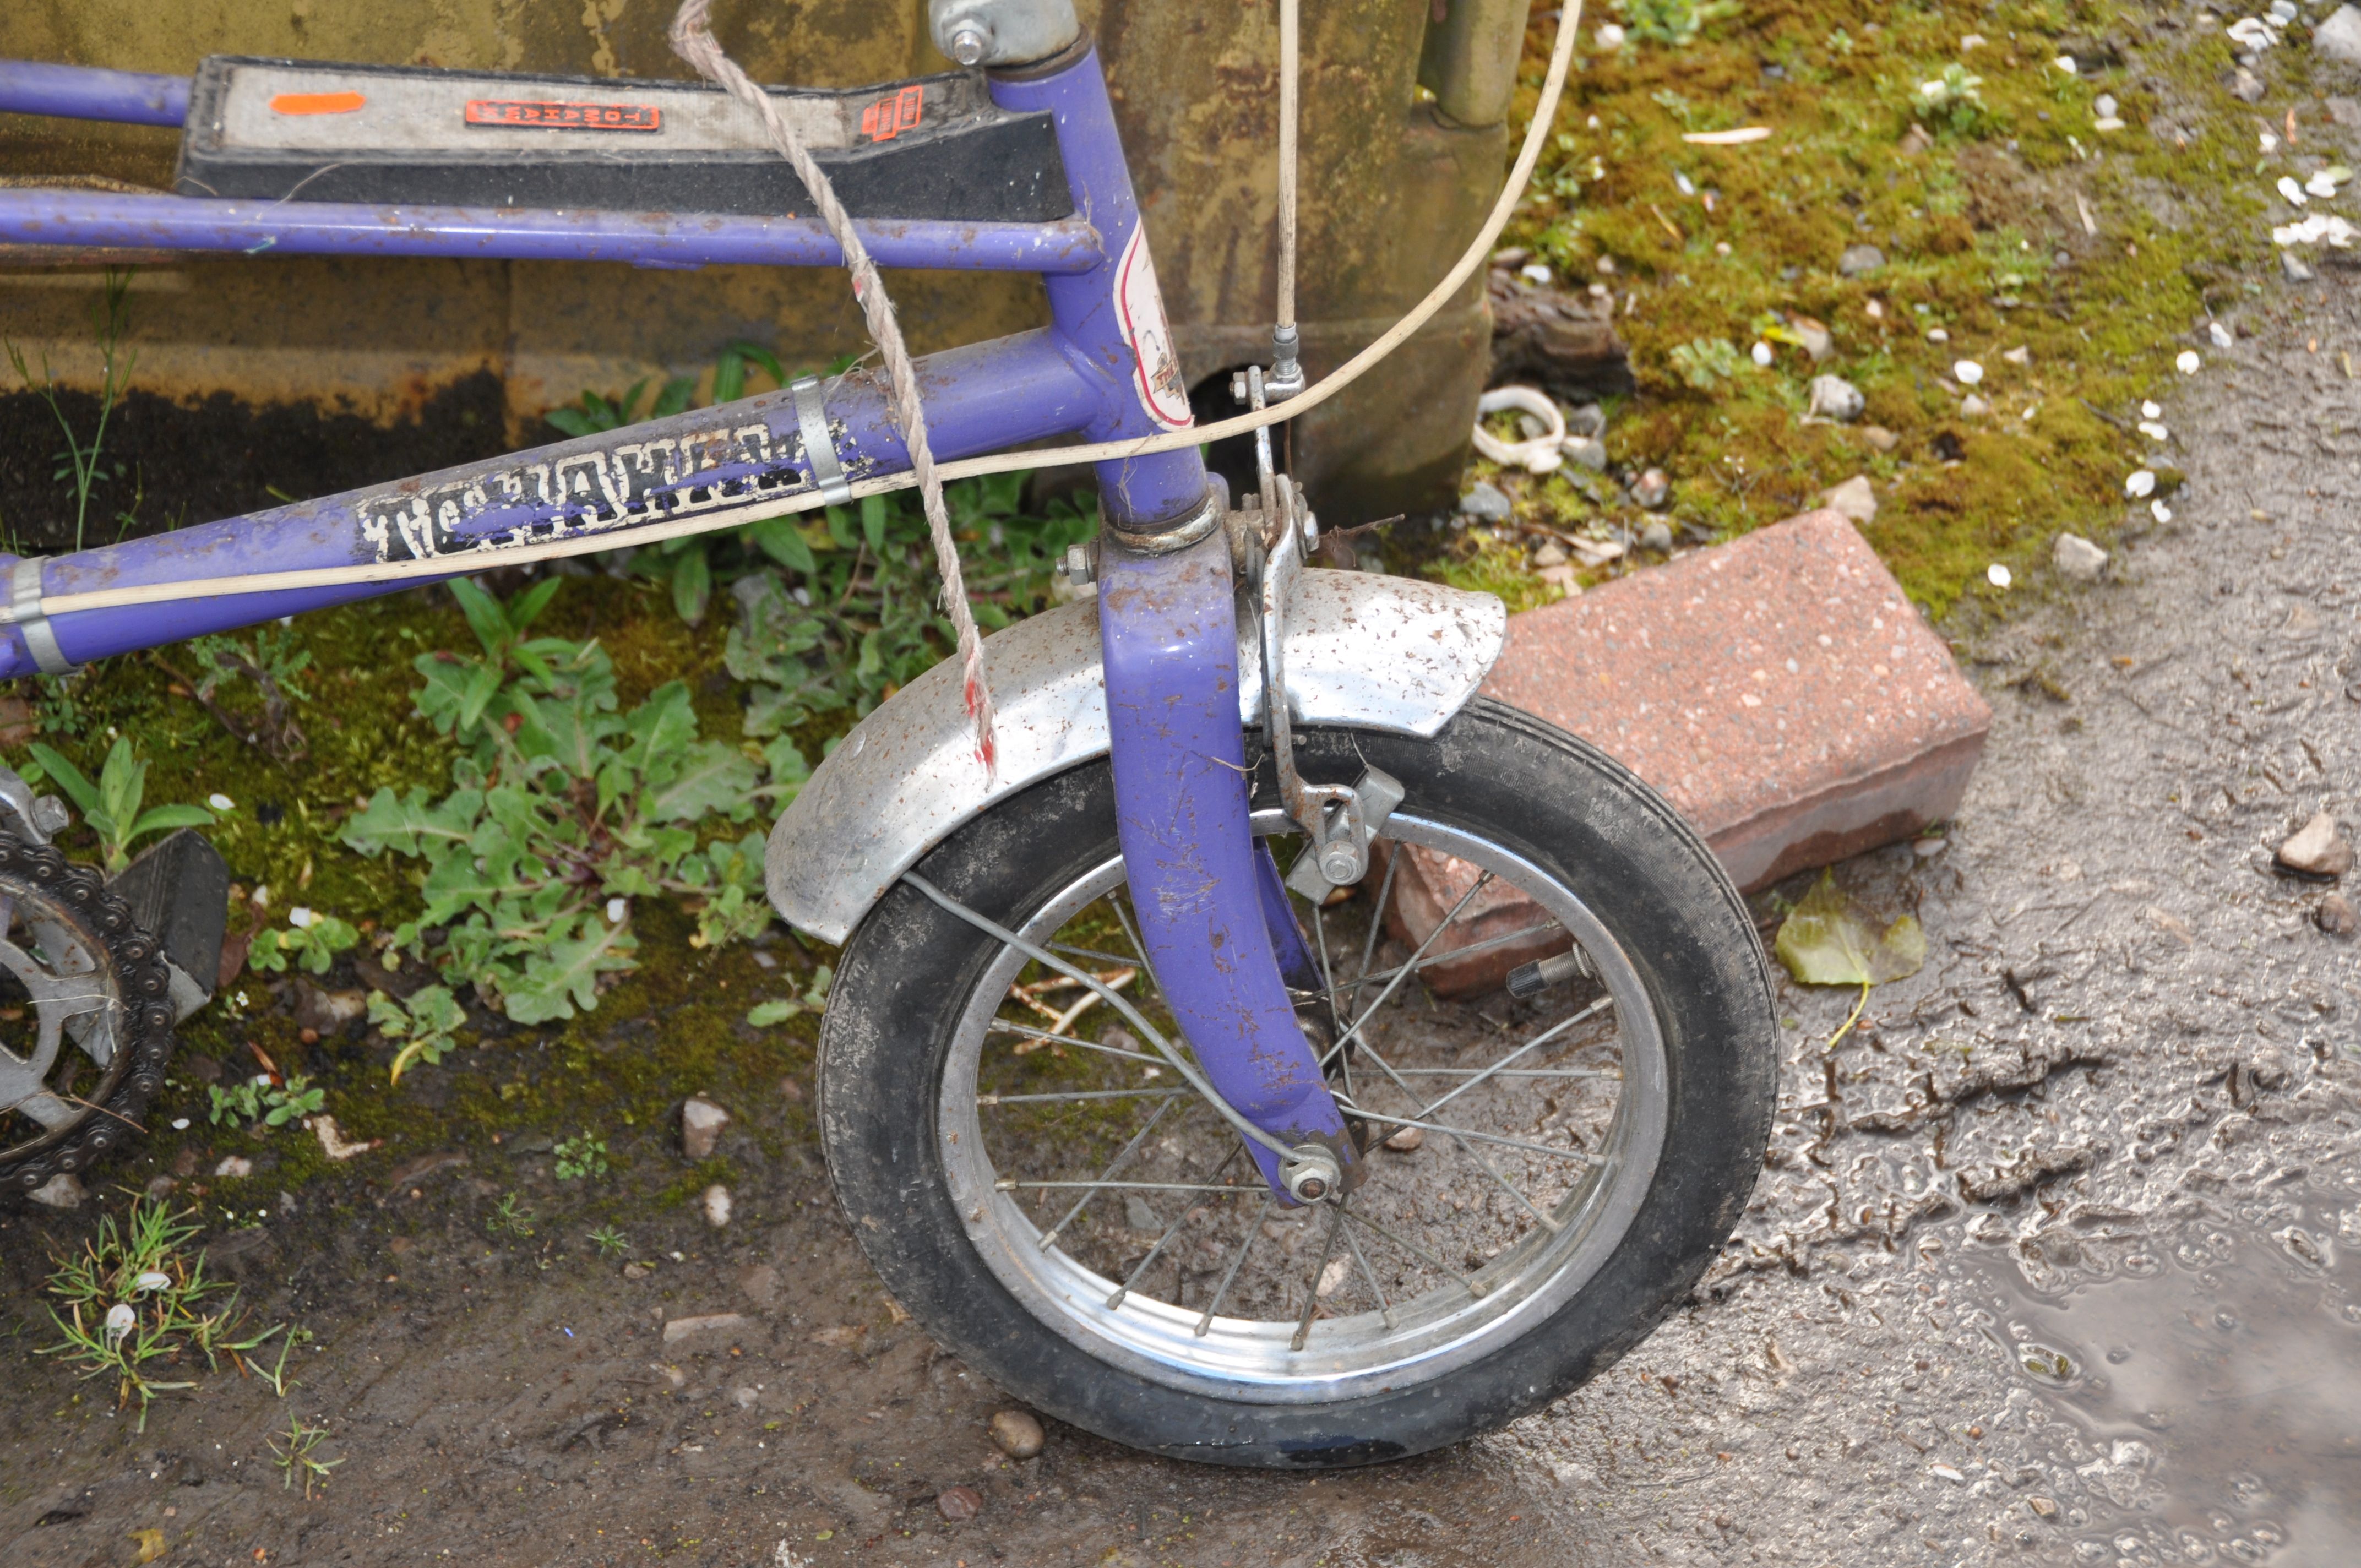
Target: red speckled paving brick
{"x": 1779, "y": 690}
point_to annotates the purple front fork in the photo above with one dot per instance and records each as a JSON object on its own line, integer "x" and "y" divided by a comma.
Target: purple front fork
{"x": 1168, "y": 639}
{"x": 1219, "y": 935}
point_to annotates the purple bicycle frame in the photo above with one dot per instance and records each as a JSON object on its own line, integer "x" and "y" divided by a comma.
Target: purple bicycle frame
{"x": 1213, "y": 920}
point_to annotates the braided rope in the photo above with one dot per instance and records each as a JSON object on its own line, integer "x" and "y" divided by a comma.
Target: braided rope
{"x": 693, "y": 40}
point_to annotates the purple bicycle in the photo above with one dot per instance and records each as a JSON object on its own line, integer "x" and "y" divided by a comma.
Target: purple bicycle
{"x": 1177, "y": 1145}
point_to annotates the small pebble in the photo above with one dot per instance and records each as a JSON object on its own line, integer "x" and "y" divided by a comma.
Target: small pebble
{"x": 1654, "y": 490}
{"x": 1761, "y": 354}
{"x": 2019, "y": 355}
{"x": 234, "y": 1166}
{"x": 2334, "y": 915}
{"x": 1998, "y": 576}
{"x": 2042, "y": 1508}
{"x": 1974, "y": 407}
{"x": 2078, "y": 559}
{"x": 1937, "y": 334}
{"x": 2105, "y": 106}
{"x": 1833, "y": 397}
{"x": 960, "y": 1503}
{"x": 2294, "y": 270}
{"x": 1407, "y": 1141}
{"x": 1855, "y": 498}
{"x": 1880, "y": 439}
{"x": 220, "y": 801}
{"x": 2317, "y": 850}
{"x": 1967, "y": 372}
{"x": 2222, "y": 336}
{"x": 2140, "y": 484}
{"x": 701, "y": 1121}
{"x": 1484, "y": 502}
{"x": 2187, "y": 362}
{"x": 716, "y": 1205}
{"x": 1860, "y": 260}
{"x": 1656, "y": 535}
{"x": 63, "y": 1191}
{"x": 1017, "y": 1433}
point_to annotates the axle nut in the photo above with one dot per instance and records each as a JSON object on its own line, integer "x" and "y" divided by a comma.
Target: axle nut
{"x": 1310, "y": 1173}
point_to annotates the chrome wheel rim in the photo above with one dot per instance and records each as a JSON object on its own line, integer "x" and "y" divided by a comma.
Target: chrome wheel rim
{"x": 1384, "y": 1292}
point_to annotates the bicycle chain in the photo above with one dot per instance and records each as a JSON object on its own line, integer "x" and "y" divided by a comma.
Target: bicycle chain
{"x": 79, "y": 894}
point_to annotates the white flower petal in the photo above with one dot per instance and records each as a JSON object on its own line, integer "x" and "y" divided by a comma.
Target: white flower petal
{"x": 1998, "y": 576}
{"x": 616, "y": 909}
{"x": 221, "y": 802}
{"x": 2188, "y": 363}
{"x": 2142, "y": 482}
{"x": 2161, "y": 512}
{"x": 1967, "y": 372}
{"x": 2292, "y": 191}
{"x": 1763, "y": 354}
{"x": 301, "y": 918}
{"x": 152, "y": 1280}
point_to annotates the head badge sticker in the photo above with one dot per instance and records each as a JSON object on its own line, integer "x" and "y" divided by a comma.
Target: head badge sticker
{"x": 1141, "y": 308}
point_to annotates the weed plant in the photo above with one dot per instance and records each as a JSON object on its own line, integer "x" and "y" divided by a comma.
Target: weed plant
{"x": 135, "y": 1304}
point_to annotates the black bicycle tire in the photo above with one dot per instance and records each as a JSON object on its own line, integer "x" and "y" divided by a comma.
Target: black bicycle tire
{"x": 1590, "y": 821}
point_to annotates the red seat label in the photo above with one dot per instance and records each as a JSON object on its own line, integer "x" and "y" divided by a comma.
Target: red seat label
{"x": 534, "y": 114}
{"x": 889, "y": 117}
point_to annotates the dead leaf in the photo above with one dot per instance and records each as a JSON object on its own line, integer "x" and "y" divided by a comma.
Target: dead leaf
{"x": 149, "y": 1544}
{"x": 1829, "y": 939}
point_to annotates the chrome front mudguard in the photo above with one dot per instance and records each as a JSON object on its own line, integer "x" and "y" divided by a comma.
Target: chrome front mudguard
{"x": 1376, "y": 651}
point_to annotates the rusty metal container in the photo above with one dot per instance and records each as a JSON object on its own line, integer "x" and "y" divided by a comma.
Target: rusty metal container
{"x": 1405, "y": 103}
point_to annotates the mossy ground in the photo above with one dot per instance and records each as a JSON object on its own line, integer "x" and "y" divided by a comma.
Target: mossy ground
{"x": 2015, "y": 223}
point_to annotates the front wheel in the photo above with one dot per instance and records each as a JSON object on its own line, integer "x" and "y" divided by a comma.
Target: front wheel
{"x": 1547, "y": 1178}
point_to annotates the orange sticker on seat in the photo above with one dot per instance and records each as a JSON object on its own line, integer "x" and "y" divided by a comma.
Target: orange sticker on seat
{"x": 316, "y": 102}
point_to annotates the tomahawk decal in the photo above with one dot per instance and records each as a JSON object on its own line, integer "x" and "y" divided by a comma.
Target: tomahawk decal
{"x": 631, "y": 484}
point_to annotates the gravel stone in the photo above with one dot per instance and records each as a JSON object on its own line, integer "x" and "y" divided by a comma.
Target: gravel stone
{"x": 2339, "y": 38}
{"x": 1833, "y": 397}
{"x": 1485, "y": 503}
{"x": 2078, "y": 560}
{"x": 1018, "y": 1433}
{"x": 960, "y": 1503}
{"x": 1856, "y": 499}
{"x": 1860, "y": 260}
{"x": 63, "y": 1191}
{"x": 2334, "y": 915}
{"x": 701, "y": 1121}
{"x": 2246, "y": 86}
{"x": 1653, "y": 490}
{"x": 2317, "y": 850}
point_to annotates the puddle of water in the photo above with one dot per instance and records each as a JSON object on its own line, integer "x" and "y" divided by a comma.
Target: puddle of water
{"x": 2211, "y": 1378}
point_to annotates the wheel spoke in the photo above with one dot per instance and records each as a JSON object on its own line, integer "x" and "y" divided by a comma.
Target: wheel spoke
{"x": 1169, "y": 1231}
{"x": 1327, "y": 975}
{"x": 1575, "y": 1155}
{"x": 1131, "y": 934}
{"x": 1472, "y": 948}
{"x": 1012, "y": 1184}
{"x": 1538, "y": 1040}
{"x": 1312, "y": 1291}
{"x": 1238, "y": 1261}
{"x": 1047, "y": 1038}
{"x": 1417, "y": 1251}
{"x": 1508, "y": 1072}
{"x": 1370, "y": 1012}
{"x": 1385, "y": 1312}
{"x": 1376, "y": 924}
{"x": 1050, "y": 1237}
{"x": 1080, "y": 1094}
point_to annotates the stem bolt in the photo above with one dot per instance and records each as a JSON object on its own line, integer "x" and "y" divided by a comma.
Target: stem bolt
{"x": 971, "y": 43}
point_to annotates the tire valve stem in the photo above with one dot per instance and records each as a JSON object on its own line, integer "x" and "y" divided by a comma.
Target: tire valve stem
{"x": 1530, "y": 980}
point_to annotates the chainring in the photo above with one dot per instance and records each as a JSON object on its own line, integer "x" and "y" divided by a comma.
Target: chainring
{"x": 86, "y": 1016}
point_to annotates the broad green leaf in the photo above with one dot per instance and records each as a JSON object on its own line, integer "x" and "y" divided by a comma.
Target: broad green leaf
{"x": 692, "y": 584}
{"x": 158, "y": 818}
{"x": 674, "y": 397}
{"x": 872, "y": 522}
{"x": 763, "y": 1015}
{"x": 68, "y": 777}
{"x": 1829, "y": 939}
{"x": 409, "y": 825}
{"x": 526, "y": 608}
{"x": 661, "y": 730}
{"x": 782, "y": 540}
{"x": 121, "y": 783}
{"x": 716, "y": 777}
{"x": 564, "y": 976}
{"x": 485, "y": 617}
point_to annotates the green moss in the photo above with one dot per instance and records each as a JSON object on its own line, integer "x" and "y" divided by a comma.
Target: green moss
{"x": 1970, "y": 226}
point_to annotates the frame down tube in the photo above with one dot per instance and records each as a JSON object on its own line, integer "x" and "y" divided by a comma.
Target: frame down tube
{"x": 1167, "y": 629}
